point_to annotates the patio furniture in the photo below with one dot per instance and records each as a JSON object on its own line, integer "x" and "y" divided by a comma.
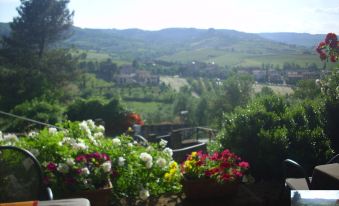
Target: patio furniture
{"x": 295, "y": 176}
{"x": 21, "y": 177}
{"x": 326, "y": 177}
{"x": 61, "y": 202}
{"x": 179, "y": 155}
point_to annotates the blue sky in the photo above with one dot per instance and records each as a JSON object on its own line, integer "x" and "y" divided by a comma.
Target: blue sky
{"x": 311, "y": 16}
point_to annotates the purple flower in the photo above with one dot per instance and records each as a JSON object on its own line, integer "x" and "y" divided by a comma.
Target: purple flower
{"x": 51, "y": 166}
{"x": 81, "y": 158}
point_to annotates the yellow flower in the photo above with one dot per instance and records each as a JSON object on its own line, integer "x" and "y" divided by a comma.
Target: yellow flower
{"x": 173, "y": 165}
{"x": 194, "y": 154}
{"x": 167, "y": 176}
{"x": 129, "y": 129}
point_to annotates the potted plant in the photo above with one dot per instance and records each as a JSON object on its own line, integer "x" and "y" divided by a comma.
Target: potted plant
{"x": 77, "y": 158}
{"x": 214, "y": 175}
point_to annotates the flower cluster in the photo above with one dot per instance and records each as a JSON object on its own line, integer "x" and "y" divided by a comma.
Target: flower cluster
{"x": 134, "y": 118}
{"x": 329, "y": 49}
{"x": 86, "y": 171}
{"x": 222, "y": 167}
{"x": 80, "y": 157}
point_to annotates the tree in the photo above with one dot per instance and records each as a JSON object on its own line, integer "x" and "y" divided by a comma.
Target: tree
{"x": 40, "y": 23}
{"x": 296, "y": 197}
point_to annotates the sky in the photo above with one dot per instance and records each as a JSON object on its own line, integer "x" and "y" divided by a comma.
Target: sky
{"x": 321, "y": 194}
{"x": 309, "y": 16}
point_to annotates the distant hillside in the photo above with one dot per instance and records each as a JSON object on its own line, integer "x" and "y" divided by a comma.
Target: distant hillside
{"x": 302, "y": 39}
{"x": 215, "y": 46}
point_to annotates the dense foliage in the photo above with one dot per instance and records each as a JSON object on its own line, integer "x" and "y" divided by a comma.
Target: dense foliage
{"x": 268, "y": 130}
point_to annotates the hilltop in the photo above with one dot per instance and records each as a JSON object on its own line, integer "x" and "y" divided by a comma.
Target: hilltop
{"x": 216, "y": 46}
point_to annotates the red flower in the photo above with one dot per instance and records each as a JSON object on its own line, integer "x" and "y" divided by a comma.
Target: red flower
{"x": 134, "y": 118}
{"x": 51, "y": 166}
{"x": 237, "y": 173}
{"x": 225, "y": 165}
{"x": 244, "y": 165}
{"x": 333, "y": 58}
{"x": 215, "y": 156}
{"x": 331, "y": 40}
{"x": 211, "y": 172}
{"x": 323, "y": 56}
{"x": 320, "y": 47}
{"x": 81, "y": 158}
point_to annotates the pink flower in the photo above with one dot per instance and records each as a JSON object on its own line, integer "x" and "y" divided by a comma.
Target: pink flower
{"x": 237, "y": 173}
{"x": 244, "y": 165}
{"x": 51, "y": 166}
{"x": 105, "y": 156}
{"x": 215, "y": 156}
{"x": 81, "y": 158}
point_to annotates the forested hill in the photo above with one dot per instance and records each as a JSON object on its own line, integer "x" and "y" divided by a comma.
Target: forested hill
{"x": 224, "y": 47}
{"x": 302, "y": 39}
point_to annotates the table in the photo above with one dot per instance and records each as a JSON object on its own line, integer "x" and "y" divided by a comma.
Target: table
{"x": 326, "y": 177}
{"x": 61, "y": 202}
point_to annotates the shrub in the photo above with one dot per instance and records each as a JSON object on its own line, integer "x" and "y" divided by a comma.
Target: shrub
{"x": 268, "y": 130}
{"x": 112, "y": 113}
{"x": 39, "y": 110}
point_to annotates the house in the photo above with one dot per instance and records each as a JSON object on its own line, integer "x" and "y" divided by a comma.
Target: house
{"x": 129, "y": 75}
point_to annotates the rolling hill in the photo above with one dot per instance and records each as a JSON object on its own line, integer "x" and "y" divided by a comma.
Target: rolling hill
{"x": 216, "y": 46}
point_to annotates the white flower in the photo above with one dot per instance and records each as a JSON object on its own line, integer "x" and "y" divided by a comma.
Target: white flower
{"x": 144, "y": 194}
{"x": 106, "y": 166}
{"x": 135, "y": 142}
{"x": 130, "y": 144}
{"x": 163, "y": 143}
{"x": 121, "y": 161}
{"x": 79, "y": 146}
{"x": 149, "y": 148}
{"x": 70, "y": 161}
{"x": 168, "y": 151}
{"x": 116, "y": 141}
{"x": 35, "y": 152}
{"x": 0, "y": 135}
{"x": 318, "y": 82}
{"x": 101, "y": 128}
{"x": 10, "y": 137}
{"x": 83, "y": 125}
{"x": 146, "y": 157}
{"x": 52, "y": 130}
{"x": 32, "y": 134}
{"x": 63, "y": 168}
{"x": 149, "y": 164}
{"x": 98, "y": 134}
{"x": 90, "y": 124}
{"x": 85, "y": 171}
{"x": 161, "y": 162}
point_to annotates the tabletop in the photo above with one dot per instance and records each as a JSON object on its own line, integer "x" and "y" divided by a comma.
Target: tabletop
{"x": 326, "y": 177}
{"x": 61, "y": 202}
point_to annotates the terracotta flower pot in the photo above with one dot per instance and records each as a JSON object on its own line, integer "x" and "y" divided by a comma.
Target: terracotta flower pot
{"x": 98, "y": 197}
{"x": 208, "y": 188}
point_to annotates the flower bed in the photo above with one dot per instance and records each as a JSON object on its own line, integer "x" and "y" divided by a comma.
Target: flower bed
{"x": 79, "y": 157}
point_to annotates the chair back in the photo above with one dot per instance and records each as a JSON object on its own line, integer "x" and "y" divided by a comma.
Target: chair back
{"x": 180, "y": 155}
{"x": 21, "y": 176}
{"x": 293, "y": 170}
